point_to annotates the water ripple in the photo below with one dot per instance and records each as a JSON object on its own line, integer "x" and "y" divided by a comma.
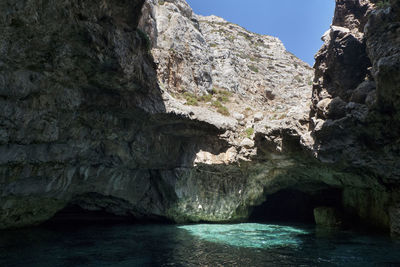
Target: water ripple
{"x": 250, "y": 235}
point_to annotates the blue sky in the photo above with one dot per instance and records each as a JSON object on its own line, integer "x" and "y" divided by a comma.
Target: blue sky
{"x": 299, "y": 24}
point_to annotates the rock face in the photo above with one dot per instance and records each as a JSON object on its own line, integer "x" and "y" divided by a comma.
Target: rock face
{"x": 179, "y": 49}
{"x": 207, "y": 66}
{"x": 254, "y": 66}
{"x": 144, "y": 109}
{"x": 327, "y": 217}
{"x": 75, "y": 80}
{"x": 93, "y": 113}
{"x": 355, "y": 115}
{"x": 198, "y": 57}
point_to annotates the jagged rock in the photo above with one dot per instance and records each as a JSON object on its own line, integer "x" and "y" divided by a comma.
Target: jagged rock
{"x": 371, "y": 99}
{"x": 238, "y": 116}
{"x": 362, "y": 91}
{"x": 343, "y": 60}
{"x": 196, "y": 54}
{"x": 178, "y": 47}
{"x": 229, "y": 52}
{"x": 336, "y": 109}
{"x": 383, "y": 47}
{"x": 322, "y": 107}
{"x": 248, "y": 143}
{"x": 351, "y": 101}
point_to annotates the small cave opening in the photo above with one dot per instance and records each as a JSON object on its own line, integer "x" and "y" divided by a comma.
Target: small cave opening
{"x": 75, "y": 215}
{"x": 295, "y": 206}
{"x": 96, "y": 209}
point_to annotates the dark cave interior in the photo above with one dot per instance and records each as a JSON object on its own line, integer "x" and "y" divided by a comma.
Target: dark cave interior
{"x": 75, "y": 215}
{"x": 285, "y": 206}
{"x": 292, "y": 205}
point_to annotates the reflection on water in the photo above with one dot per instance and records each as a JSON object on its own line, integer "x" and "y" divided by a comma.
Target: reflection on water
{"x": 194, "y": 245}
{"x": 250, "y": 235}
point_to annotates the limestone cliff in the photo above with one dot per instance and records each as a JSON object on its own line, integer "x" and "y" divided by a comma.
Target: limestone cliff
{"x": 206, "y": 64}
{"x": 145, "y": 109}
{"x": 95, "y": 113}
{"x": 355, "y": 111}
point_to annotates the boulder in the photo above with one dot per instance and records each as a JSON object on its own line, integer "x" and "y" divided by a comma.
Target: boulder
{"x": 247, "y": 142}
{"x": 238, "y": 116}
{"x": 362, "y": 91}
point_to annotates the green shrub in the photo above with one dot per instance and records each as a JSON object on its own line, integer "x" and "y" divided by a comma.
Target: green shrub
{"x": 216, "y": 104}
{"x": 191, "y": 99}
{"x": 253, "y": 68}
{"x": 249, "y": 132}
{"x": 161, "y": 2}
{"x": 205, "y": 98}
{"x": 220, "y": 108}
{"x": 223, "y": 98}
{"x": 222, "y": 95}
{"x": 192, "y": 102}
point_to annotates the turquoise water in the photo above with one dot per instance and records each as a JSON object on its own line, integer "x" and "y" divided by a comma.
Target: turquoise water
{"x": 195, "y": 245}
{"x": 248, "y": 235}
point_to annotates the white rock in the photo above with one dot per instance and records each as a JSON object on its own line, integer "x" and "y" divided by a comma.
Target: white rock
{"x": 247, "y": 143}
{"x": 258, "y": 116}
{"x": 197, "y": 54}
{"x": 238, "y": 116}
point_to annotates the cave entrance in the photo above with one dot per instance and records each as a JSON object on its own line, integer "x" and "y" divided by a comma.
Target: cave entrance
{"x": 74, "y": 215}
{"x": 97, "y": 209}
{"x": 293, "y": 205}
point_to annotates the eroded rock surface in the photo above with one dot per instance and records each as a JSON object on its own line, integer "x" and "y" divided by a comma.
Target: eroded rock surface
{"x": 355, "y": 118}
{"x": 93, "y": 113}
{"x": 191, "y": 118}
{"x": 327, "y": 217}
